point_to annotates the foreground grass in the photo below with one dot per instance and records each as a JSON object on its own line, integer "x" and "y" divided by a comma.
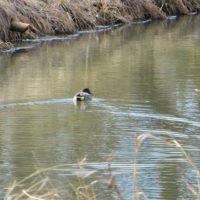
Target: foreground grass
{"x": 167, "y": 141}
{"x": 30, "y": 19}
{"x": 38, "y": 186}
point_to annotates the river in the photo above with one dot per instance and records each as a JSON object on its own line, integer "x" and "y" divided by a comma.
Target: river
{"x": 143, "y": 77}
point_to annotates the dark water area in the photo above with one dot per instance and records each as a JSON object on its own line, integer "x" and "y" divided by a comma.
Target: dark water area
{"x": 143, "y": 77}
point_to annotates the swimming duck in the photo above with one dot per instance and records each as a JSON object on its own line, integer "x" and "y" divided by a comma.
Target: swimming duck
{"x": 84, "y": 95}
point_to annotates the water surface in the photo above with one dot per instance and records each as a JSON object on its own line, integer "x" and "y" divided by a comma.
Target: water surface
{"x": 143, "y": 77}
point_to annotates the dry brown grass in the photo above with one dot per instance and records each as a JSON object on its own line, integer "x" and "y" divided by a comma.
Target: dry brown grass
{"x": 50, "y": 17}
{"x": 166, "y": 141}
{"x": 179, "y": 7}
{"x": 40, "y": 186}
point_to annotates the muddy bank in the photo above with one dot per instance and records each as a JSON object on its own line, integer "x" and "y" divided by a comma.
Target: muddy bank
{"x": 28, "y": 19}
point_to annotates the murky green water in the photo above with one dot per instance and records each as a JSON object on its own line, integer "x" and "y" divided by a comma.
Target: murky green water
{"x": 143, "y": 77}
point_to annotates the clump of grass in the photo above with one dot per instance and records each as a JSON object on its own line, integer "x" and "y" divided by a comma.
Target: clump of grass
{"x": 112, "y": 184}
{"x": 178, "y": 7}
{"x": 178, "y": 146}
{"x": 39, "y": 185}
{"x": 81, "y": 14}
{"x": 85, "y": 190}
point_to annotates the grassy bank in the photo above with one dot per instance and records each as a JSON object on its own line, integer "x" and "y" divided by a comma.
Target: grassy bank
{"x": 30, "y": 19}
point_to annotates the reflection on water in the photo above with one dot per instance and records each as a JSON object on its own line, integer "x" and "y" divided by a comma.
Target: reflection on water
{"x": 143, "y": 78}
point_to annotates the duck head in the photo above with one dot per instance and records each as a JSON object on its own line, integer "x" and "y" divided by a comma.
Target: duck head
{"x": 86, "y": 90}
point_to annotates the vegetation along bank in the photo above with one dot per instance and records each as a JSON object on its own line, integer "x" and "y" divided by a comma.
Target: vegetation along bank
{"x": 28, "y": 19}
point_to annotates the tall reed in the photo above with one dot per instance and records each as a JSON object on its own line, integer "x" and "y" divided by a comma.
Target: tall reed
{"x": 167, "y": 141}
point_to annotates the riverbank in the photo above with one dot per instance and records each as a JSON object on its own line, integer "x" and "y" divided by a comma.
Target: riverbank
{"x": 22, "y": 19}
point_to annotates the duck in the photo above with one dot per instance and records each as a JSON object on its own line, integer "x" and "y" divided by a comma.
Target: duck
{"x": 84, "y": 95}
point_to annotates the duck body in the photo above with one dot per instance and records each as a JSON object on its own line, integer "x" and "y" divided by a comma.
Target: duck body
{"x": 84, "y": 95}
